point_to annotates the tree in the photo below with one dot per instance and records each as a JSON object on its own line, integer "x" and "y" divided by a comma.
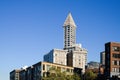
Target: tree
{"x": 89, "y": 75}
{"x": 56, "y": 74}
{"x": 76, "y": 77}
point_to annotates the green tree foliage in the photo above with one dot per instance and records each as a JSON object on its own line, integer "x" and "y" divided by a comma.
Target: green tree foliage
{"x": 76, "y": 77}
{"x": 89, "y": 75}
{"x": 56, "y": 74}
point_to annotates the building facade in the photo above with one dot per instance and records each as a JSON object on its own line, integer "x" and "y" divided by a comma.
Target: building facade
{"x": 77, "y": 57}
{"x": 73, "y": 54}
{"x": 15, "y": 74}
{"x": 56, "y": 56}
{"x": 23, "y": 74}
{"x": 112, "y": 59}
{"x": 102, "y": 58}
{"x": 30, "y": 73}
{"x": 39, "y": 71}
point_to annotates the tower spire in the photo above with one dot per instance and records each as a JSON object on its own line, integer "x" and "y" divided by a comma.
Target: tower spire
{"x": 69, "y": 32}
{"x": 69, "y": 21}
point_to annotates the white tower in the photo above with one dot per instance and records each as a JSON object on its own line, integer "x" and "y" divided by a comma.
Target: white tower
{"x": 69, "y": 32}
{"x": 76, "y": 56}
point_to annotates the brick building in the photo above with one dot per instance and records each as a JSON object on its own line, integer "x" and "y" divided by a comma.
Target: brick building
{"x": 112, "y": 59}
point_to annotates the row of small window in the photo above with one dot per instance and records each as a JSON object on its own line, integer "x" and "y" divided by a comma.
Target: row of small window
{"x": 68, "y": 40}
{"x": 46, "y": 74}
{"x": 116, "y": 55}
{"x": 69, "y": 27}
{"x": 59, "y": 55}
{"x": 68, "y": 45}
{"x": 115, "y": 48}
{"x": 48, "y": 67}
{"x": 115, "y": 62}
{"x": 68, "y": 36}
{"x": 115, "y": 69}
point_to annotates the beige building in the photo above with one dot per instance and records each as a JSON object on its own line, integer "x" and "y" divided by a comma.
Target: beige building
{"x": 77, "y": 57}
{"x": 44, "y": 68}
{"x": 40, "y": 70}
{"x": 56, "y": 56}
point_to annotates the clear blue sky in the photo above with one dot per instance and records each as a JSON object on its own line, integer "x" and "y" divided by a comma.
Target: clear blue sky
{"x": 31, "y": 28}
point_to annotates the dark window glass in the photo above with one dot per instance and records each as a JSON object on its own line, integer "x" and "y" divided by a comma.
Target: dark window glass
{"x": 115, "y": 62}
{"x": 43, "y": 67}
{"x": 116, "y": 55}
{"x": 115, "y": 48}
{"x": 68, "y": 70}
{"x": 119, "y": 69}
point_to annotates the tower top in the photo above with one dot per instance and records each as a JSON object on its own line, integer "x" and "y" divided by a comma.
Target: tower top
{"x": 69, "y": 21}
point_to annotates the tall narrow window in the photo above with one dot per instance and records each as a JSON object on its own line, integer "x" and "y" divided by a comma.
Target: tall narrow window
{"x": 43, "y": 67}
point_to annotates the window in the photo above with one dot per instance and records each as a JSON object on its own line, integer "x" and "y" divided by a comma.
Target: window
{"x": 55, "y": 54}
{"x": 112, "y": 69}
{"x": 116, "y": 55}
{"x": 115, "y": 48}
{"x": 115, "y": 62}
{"x": 43, "y": 67}
{"x": 68, "y": 70}
{"x": 48, "y": 67}
{"x": 112, "y": 62}
{"x": 44, "y": 74}
{"x": 119, "y": 69}
{"x": 68, "y": 28}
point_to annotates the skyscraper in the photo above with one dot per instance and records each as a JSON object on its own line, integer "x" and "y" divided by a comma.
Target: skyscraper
{"x": 76, "y": 56}
{"x": 69, "y": 32}
{"x": 73, "y": 54}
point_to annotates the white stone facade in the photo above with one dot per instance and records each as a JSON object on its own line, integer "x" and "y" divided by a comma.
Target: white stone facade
{"x": 79, "y": 57}
{"x": 56, "y": 56}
